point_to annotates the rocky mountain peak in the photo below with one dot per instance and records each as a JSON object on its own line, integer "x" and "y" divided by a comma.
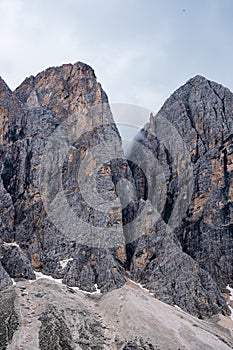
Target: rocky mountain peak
{"x": 62, "y": 89}
{"x": 64, "y": 108}
{"x": 195, "y": 124}
{"x": 4, "y": 88}
{"x": 75, "y": 209}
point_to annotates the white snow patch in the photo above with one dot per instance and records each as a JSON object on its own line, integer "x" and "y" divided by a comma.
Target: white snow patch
{"x": 13, "y": 281}
{"x": 231, "y": 298}
{"x": 231, "y": 291}
{"x": 141, "y": 287}
{"x": 12, "y": 244}
{"x": 177, "y": 307}
{"x": 40, "y": 275}
{"x": 84, "y": 291}
{"x": 97, "y": 289}
{"x": 64, "y": 262}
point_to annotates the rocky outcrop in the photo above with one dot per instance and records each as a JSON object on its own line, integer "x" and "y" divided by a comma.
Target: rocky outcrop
{"x": 191, "y": 141}
{"x": 9, "y": 318}
{"x": 206, "y": 232}
{"x": 74, "y": 208}
{"x": 15, "y": 262}
{"x": 7, "y": 213}
{"x": 5, "y": 280}
{"x": 54, "y": 333}
{"x": 172, "y": 276}
{"x": 64, "y": 114}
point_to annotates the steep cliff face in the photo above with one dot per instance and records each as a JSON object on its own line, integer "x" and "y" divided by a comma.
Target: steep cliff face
{"x": 207, "y": 232}
{"x": 58, "y": 200}
{"x": 74, "y": 208}
{"x": 191, "y": 140}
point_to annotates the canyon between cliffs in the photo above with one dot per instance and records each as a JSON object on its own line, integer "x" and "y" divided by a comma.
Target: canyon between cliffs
{"x": 105, "y": 250}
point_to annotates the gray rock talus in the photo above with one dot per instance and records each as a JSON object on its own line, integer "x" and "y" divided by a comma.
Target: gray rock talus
{"x": 47, "y": 315}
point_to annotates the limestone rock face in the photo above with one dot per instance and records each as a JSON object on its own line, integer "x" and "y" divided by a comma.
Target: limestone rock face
{"x": 5, "y": 280}
{"x": 73, "y": 207}
{"x": 58, "y": 200}
{"x": 206, "y": 233}
{"x": 16, "y": 262}
{"x": 172, "y": 276}
{"x": 191, "y": 140}
{"x": 7, "y": 212}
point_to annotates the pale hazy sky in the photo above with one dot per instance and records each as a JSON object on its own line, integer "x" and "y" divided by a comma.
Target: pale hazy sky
{"x": 141, "y": 50}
